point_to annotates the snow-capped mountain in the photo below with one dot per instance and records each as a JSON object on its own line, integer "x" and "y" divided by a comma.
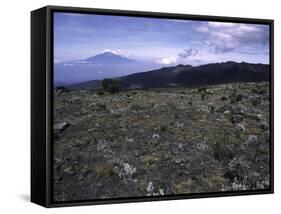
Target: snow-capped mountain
{"x": 104, "y": 65}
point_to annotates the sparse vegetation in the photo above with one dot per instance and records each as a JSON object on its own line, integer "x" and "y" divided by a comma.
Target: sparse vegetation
{"x": 152, "y": 142}
{"x": 103, "y": 170}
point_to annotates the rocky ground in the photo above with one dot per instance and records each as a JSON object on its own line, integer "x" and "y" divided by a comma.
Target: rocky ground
{"x": 160, "y": 141}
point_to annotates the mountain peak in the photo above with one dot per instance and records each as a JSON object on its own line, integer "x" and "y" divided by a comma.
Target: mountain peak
{"x": 108, "y": 57}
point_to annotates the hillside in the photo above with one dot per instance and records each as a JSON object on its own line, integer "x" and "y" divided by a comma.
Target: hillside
{"x": 187, "y": 75}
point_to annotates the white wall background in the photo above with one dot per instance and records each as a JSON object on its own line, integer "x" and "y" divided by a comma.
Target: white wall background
{"x": 15, "y": 107}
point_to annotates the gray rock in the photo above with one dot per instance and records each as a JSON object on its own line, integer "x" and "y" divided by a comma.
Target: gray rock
{"x": 220, "y": 118}
{"x": 203, "y": 109}
{"x": 224, "y": 108}
{"x": 237, "y": 118}
{"x": 254, "y": 116}
{"x": 179, "y": 160}
{"x": 75, "y": 100}
{"x": 98, "y": 106}
{"x": 252, "y": 139}
{"x": 69, "y": 171}
{"x": 179, "y": 124}
{"x": 175, "y": 150}
{"x": 238, "y": 110}
{"x": 59, "y": 127}
{"x": 240, "y": 128}
{"x": 259, "y": 117}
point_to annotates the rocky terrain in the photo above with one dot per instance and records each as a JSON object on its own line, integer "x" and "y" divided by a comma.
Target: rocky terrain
{"x": 161, "y": 141}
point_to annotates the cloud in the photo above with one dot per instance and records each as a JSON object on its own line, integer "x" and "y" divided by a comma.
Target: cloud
{"x": 168, "y": 60}
{"x": 180, "y": 57}
{"x": 188, "y": 52}
{"x": 221, "y": 24}
{"x": 117, "y": 51}
{"x": 223, "y": 37}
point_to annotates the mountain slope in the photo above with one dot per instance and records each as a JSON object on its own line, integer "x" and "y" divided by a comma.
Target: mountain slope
{"x": 216, "y": 73}
{"x": 187, "y": 75}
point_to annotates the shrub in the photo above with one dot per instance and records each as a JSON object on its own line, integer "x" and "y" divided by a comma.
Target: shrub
{"x": 202, "y": 96}
{"x": 239, "y": 97}
{"x": 100, "y": 92}
{"x": 261, "y": 91}
{"x": 256, "y": 102}
{"x": 111, "y": 85}
{"x": 61, "y": 88}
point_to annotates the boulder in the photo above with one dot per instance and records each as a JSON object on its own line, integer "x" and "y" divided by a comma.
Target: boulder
{"x": 61, "y": 126}
{"x": 98, "y": 106}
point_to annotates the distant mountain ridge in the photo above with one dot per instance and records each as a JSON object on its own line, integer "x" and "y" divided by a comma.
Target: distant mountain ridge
{"x": 188, "y": 75}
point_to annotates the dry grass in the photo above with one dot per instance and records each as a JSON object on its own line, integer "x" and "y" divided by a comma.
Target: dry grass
{"x": 103, "y": 169}
{"x": 149, "y": 159}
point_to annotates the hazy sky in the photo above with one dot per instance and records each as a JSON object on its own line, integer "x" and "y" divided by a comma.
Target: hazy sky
{"x": 166, "y": 41}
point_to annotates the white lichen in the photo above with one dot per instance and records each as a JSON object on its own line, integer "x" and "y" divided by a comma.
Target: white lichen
{"x": 101, "y": 145}
{"x": 202, "y": 146}
{"x": 152, "y": 191}
{"x": 238, "y": 185}
{"x": 150, "y": 188}
{"x": 129, "y": 170}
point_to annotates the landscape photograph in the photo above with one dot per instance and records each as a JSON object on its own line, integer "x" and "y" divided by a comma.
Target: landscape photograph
{"x": 151, "y": 107}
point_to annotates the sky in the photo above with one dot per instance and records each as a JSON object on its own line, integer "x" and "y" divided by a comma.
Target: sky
{"x": 163, "y": 41}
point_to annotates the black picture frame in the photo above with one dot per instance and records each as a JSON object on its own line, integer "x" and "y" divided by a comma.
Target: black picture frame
{"x": 42, "y": 102}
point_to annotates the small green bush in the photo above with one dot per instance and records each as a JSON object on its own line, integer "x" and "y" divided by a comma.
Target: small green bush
{"x": 61, "y": 88}
{"x": 111, "y": 85}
